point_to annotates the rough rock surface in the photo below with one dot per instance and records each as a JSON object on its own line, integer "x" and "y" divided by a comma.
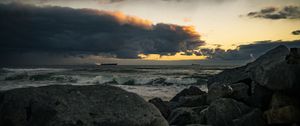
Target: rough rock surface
{"x": 223, "y": 111}
{"x": 253, "y": 118}
{"x": 162, "y": 106}
{"x": 217, "y": 91}
{"x": 187, "y": 115}
{"x": 76, "y": 106}
{"x": 187, "y": 92}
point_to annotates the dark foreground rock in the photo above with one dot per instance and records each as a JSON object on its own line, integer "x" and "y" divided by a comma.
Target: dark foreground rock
{"x": 76, "y": 106}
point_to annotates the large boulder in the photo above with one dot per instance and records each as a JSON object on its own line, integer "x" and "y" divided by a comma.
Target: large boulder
{"x": 223, "y": 111}
{"x": 217, "y": 91}
{"x": 76, "y": 106}
{"x": 283, "y": 115}
{"x": 260, "y": 96}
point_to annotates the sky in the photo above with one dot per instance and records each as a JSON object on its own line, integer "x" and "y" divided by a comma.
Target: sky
{"x": 139, "y": 32}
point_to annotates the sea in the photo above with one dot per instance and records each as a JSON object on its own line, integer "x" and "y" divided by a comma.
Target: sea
{"x": 147, "y": 81}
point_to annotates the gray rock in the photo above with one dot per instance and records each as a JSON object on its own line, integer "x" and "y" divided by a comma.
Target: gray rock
{"x": 187, "y": 92}
{"x": 253, "y": 118}
{"x": 280, "y": 100}
{"x": 184, "y": 115}
{"x": 192, "y": 101}
{"x": 162, "y": 106}
{"x": 217, "y": 91}
{"x": 76, "y": 106}
{"x": 230, "y": 76}
{"x": 223, "y": 111}
{"x": 241, "y": 91}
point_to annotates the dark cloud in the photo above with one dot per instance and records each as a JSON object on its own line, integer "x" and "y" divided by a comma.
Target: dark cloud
{"x": 246, "y": 52}
{"x": 297, "y": 32}
{"x": 82, "y": 32}
{"x": 287, "y": 12}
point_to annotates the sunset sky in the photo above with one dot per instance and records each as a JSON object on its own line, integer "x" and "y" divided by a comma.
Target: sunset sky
{"x": 157, "y": 31}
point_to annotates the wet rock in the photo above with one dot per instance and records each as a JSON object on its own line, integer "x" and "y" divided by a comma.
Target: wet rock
{"x": 223, "y": 111}
{"x": 283, "y": 115}
{"x": 253, "y": 118}
{"x": 185, "y": 115}
{"x": 187, "y": 92}
{"x": 76, "y": 105}
{"x": 162, "y": 106}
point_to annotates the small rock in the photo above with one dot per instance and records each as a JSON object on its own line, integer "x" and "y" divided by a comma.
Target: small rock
{"x": 222, "y": 111}
{"x": 187, "y": 92}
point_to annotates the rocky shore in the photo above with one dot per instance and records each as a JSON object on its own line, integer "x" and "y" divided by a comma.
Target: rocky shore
{"x": 262, "y": 93}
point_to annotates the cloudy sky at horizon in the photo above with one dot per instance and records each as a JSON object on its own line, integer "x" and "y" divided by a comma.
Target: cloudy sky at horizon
{"x": 145, "y": 31}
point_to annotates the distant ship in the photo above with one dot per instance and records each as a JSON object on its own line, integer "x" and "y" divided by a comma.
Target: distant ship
{"x": 109, "y": 64}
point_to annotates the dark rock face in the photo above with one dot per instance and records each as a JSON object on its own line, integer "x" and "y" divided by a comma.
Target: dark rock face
{"x": 240, "y": 91}
{"x": 187, "y": 92}
{"x": 260, "y": 96}
{"x": 283, "y": 115}
{"x": 192, "y": 101}
{"x": 217, "y": 91}
{"x": 76, "y": 106}
{"x": 223, "y": 111}
{"x": 162, "y": 106}
{"x": 294, "y": 56}
{"x": 184, "y": 115}
{"x": 253, "y": 118}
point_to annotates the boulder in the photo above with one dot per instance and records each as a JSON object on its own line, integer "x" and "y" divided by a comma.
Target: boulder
{"x": 162, "y": 106}
{"x": 192, "y": 101}
{"x": 187, "y": 92}
{"x": 272, "y": 70}
{"x": 280, "y": 100}
{"x": 253, "y": 118}
{"x": 240, "y": 91}
{"x": 76, "y": 106}
{"x": 229, "y": 76}
{"x": 223, "y": 111}
{"x": 184, "y": 115}
{"x": 217, "y": 91}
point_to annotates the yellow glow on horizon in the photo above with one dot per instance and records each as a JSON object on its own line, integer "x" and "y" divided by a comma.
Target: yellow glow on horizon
{"x": 177, "y": 56}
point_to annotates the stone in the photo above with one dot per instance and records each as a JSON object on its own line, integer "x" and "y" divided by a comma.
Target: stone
{"x": 240, "y": 91}
{"x": 223, "y": 111}
{"x": 162, "y": 106}
{"x": 192, "y": 101}
{"x": 253, "y": 118}
{"x": 229, "y": 76}
{"x": 284, "y": 115}
{"x": 186, "y": 115}
{"x": 217, "y": 91}
{"x": 192, "y": 90}
{"x": 280, "y": 100}
{"x": 66, "y": 105}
